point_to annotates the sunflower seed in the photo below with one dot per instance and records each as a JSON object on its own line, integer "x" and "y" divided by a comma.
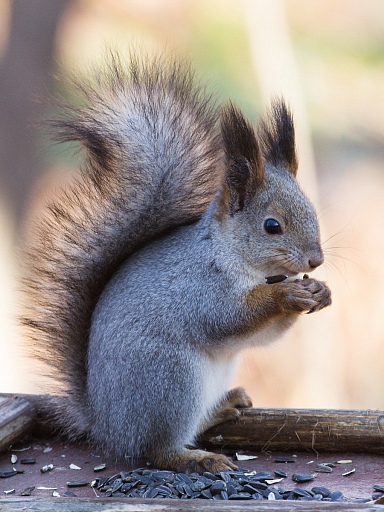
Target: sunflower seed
{"x": 275, "y": 279}
{"x": 218, "y": 486}
{"x": 302, "y": 493}
{"x": 30, "y": 460}
{"x": 8, "y": 474}
{"x": 206, "y": 493}
{"x": 336, "y": 496}
{"x": 321, "y": 490}
{"x": 301, "y": 478}
{"x": 77, "y": 484}
{"x": 241, "y": 496}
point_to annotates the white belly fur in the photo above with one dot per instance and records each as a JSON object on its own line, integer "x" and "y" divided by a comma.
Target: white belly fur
{"x": 218, "y": 373}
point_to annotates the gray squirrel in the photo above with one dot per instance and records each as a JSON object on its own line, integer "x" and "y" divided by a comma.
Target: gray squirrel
{"x": 147, "y": 275}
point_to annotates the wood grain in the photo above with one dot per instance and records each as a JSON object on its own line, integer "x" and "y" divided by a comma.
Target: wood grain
{"x": 318, "y": 430}
{"x": 16, "y": 419}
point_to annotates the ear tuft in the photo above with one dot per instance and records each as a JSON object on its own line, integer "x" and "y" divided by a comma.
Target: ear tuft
{"x": 243, "y": 157}
{"x": 277, "y": 137}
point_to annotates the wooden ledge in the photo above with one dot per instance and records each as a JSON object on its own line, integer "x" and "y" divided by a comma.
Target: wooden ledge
{"x": 155, "y": 505}
{"x": 317, "y": 430}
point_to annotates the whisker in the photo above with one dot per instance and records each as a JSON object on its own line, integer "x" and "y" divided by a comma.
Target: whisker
{"x": 341, "y": 257}
{"x": 330, "y": 266}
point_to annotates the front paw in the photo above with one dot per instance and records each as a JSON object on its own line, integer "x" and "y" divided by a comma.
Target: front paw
{"x": 303, "y": 295}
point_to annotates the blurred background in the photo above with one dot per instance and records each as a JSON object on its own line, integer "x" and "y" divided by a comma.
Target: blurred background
{"x": 326, "y": 57}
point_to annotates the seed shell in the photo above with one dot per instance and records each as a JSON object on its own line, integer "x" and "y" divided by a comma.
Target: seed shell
{"x": 100, "y": 467}
{"x": 323, "y": 468}
{"x": 46, "y": 468}
{"x": 240, "y": 456}
{"x": 27, "y": 492}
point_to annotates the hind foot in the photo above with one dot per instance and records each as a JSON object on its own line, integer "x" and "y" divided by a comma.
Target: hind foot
{"x": 195, "y": 461}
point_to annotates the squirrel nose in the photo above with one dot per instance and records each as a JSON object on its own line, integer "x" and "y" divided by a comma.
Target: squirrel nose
{"x": 316, "y": 260}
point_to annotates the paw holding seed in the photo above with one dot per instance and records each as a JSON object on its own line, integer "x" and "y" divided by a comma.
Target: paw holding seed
{"x": 300, "y": 295}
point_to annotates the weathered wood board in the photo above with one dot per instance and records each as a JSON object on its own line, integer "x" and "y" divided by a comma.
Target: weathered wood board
{"x": 16, "y": 418}
{"x": 127, "y": 505}
{"x": 316, "y": 430}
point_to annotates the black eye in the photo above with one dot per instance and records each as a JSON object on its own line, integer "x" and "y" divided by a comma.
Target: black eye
{"x": 272, "y": 227}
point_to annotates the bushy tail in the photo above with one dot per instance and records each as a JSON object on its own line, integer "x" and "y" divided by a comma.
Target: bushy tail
{"x": 153, "y": 163}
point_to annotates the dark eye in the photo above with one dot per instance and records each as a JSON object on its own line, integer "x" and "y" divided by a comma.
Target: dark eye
{"x": 272, "y": 227}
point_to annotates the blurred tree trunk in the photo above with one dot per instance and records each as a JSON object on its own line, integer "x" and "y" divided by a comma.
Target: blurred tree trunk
{"x": 25, "y": 75}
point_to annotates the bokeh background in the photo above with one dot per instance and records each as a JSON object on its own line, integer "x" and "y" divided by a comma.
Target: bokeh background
{"x": 326, "y": 57}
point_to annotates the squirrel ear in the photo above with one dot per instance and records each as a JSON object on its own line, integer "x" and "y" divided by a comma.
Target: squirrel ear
{"x": 277, "y": 137}
{"x": 245, "y": 171}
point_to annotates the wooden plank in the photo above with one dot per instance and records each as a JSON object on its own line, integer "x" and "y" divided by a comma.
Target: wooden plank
{"x": 317, "y": 430}
{"x": 166, "y": 505}
{"x": 301, "y": 429}
{"x": 16, "y": 419}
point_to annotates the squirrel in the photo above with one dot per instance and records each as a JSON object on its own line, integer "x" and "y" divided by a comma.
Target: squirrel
{"x": 147, "y": 275}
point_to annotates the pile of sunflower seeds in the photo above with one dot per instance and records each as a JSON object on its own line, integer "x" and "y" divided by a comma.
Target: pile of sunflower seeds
{"x": 228, "y": 485}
